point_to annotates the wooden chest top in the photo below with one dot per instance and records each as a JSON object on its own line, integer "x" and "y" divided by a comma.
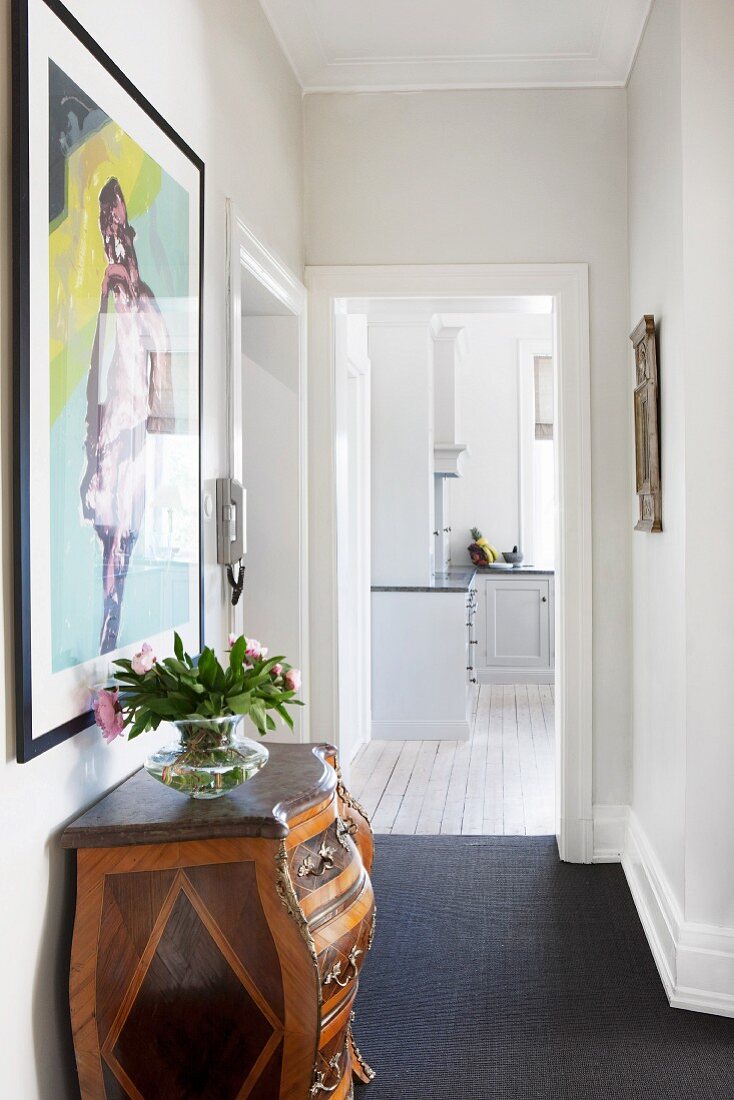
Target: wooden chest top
{"x": 143, "y": 811}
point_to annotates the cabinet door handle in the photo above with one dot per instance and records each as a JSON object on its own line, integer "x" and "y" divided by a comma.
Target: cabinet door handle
{"x": 333, "y": 1069}
{"x": 544, "y": 599}
{"x": 334, "y": 975}
{"x": 345, "y": 826}
{"x": 326, "y": 862}
{"x": 473, "y": 642}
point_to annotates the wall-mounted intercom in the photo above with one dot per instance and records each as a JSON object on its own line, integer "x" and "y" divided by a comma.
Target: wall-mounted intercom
{"x": 231, "y": 531}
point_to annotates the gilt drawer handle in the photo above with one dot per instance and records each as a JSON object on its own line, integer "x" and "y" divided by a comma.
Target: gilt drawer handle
{"x": 334, "y": 1067}
{"x": 334, "y": 975}
{"x": 326, "y": 862}
{"x": 345, "y": 827}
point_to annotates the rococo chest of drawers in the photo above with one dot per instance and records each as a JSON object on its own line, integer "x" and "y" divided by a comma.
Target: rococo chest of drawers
{"x": 217, "y": 946}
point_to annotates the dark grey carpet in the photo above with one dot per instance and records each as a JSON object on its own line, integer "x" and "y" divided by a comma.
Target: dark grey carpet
{"x": 499, "y": 973}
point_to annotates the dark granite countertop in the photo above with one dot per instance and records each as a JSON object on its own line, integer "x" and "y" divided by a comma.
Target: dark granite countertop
{"x": 143, "y": 811}
{"x": 456, "y": 580}
{"x": 461, "y": 579}
{"x": 516, "y": 571}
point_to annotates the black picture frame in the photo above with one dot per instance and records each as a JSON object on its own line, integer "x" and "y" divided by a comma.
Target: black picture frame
{"x": 29, "y": 747}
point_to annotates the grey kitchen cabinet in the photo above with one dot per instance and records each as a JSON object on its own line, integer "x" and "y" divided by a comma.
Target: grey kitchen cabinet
{"x": 515, "y": 628}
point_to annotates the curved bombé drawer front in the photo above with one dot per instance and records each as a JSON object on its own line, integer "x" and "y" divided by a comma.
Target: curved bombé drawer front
{"x": 325, "y": 865}
{"x": 333, "y": 1071}
{"x": 342, "y": 945}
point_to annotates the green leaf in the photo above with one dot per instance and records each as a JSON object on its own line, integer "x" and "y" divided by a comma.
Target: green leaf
{"x": 240, "y": 704}
{"x": 237, "y": 654}
{"x": 285, "y": 716}
{"x": 207, "y": 667}
{"x": 257, "y": 714}
{"x": 175, "y": 665}
{"x": 178, "y": 648}
{"x": 166, "y": 708}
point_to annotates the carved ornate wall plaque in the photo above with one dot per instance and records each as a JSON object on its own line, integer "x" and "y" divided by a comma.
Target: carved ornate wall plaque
{"x": 647, "y": 435}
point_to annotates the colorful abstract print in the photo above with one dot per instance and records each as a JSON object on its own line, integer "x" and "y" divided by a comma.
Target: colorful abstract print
{"x": 119, "y": 450}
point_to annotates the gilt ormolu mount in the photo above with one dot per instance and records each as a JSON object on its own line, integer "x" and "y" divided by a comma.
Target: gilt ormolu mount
{"x": 647, "y": 434}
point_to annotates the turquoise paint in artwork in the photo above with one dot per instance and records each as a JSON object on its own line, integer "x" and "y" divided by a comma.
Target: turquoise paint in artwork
{"x": 156, "y": 592}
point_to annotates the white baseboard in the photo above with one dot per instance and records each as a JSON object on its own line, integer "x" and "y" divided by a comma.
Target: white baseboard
{"x": 515, "y": 676}
{"x": 695, "y": 961}
{"x": 418, "y": 730}
{"x": 610, "y": 829}
{"x": 575, "y": 841}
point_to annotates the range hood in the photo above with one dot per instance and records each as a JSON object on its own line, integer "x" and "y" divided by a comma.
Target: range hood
{"x": 449, "y": 349}
{"x": 447, "y": 459}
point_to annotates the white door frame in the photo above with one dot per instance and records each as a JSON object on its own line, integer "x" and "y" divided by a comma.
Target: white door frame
{"x": 567, "y": 285}
{"x": 355, "y": 569}
{"x": 527, "y": 349}
{"x": 245, "y": 252}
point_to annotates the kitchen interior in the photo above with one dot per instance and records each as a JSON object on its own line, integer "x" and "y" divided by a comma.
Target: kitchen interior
{"x": 456, "y": 403}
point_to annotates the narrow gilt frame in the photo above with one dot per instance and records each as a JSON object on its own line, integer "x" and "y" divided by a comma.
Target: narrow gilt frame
{"x": 647, "y": 431}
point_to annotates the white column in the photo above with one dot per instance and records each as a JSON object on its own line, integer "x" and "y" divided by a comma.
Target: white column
{"x": 402, "y": 452}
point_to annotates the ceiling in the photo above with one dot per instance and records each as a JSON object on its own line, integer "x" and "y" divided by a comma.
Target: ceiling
{"x": 367, "y": 45}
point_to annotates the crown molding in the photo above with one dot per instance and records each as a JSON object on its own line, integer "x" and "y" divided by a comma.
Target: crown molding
{"x": 602, "y": 57}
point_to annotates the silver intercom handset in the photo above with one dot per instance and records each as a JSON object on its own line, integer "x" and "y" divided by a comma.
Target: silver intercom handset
{"x": 231, "y": 531}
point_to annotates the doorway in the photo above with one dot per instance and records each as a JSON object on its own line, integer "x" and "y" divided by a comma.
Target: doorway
{"x": 267, "y": 451}
{"x": 462, "y": 722}
{"x": 566, "y": 288}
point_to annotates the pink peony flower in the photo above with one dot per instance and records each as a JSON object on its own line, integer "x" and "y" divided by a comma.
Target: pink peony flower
{"x": 108, "y": 714}
{"x": 143, "y": 662}
{"x": 293, "y": 679}
{"x": 276, "y": 670}
{"x": 254, "y": 651}
{"x": 232, "y": 638}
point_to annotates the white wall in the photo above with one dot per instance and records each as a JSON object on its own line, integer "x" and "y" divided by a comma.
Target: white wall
{"x": 681, "y": 161}
{"x": 487, "y": 495}
{"x": 220, "y": 79}
{"x": 707, "y": 80}
{"x": 658, "y": 561}
{"x": 503, "y": 176}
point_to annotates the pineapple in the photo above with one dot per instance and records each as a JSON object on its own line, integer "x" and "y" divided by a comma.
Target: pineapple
{"x": 489, "y": 552}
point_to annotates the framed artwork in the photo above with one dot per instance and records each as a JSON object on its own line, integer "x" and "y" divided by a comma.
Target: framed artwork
{"x": 647, "y": 432}
{"x": 108, "y": 241}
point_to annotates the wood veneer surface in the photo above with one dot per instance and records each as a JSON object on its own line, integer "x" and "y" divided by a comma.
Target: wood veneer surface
{"x": 143, "y": 811}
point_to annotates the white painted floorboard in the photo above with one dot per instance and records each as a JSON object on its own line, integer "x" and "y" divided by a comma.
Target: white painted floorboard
{"x": 500, "y": 782}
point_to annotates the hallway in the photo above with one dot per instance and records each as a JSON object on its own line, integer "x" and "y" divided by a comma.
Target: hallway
{"x": 499, "y": 973}
{"x": 501, "y": 782}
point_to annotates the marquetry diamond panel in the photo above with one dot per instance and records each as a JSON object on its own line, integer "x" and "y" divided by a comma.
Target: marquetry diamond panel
{"x": 229, "y": 892}
{"x": 193, "y": 1029}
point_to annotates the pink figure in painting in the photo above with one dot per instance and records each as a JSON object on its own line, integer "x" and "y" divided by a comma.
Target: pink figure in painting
{"x": 129, "y": 394}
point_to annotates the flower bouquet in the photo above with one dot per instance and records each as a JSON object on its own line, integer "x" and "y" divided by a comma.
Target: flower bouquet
{"x": 206, "y": 702}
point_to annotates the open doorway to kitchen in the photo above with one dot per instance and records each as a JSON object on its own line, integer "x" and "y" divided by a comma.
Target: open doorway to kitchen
{"x": 461, "y": 734}
{"x": 462, "y": 729}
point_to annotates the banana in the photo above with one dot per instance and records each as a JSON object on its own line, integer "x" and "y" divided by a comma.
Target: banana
{"x": 489, "y": 551}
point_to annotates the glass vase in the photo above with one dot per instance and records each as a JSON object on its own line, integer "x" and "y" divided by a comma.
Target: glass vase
{"x": 209, "y": 758}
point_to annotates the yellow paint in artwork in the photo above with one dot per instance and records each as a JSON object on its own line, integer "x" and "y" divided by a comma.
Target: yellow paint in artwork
{"x": 77, "y": 260}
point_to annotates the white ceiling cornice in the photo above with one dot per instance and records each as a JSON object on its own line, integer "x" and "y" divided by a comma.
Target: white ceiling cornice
{"x": 421, "y": 45}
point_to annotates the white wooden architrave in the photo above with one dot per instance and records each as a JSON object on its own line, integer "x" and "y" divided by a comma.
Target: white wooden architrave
{"x": 567, "y": 285}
